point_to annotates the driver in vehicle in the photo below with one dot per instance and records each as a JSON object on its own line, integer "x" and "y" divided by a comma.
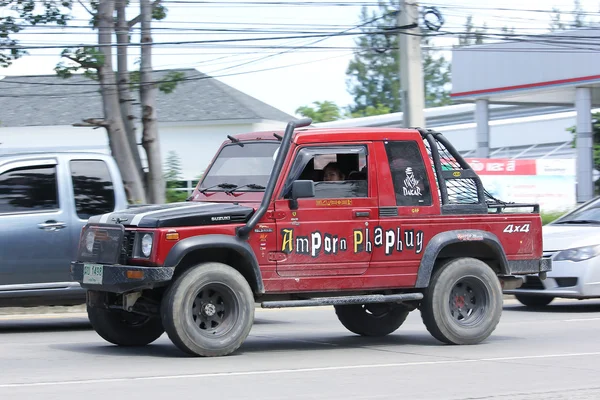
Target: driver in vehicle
{"x": 332, "y": 172}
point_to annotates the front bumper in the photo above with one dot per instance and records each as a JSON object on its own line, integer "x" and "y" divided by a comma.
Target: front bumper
{"x": 568, "y": 279}
{"x": 114, "y": 278}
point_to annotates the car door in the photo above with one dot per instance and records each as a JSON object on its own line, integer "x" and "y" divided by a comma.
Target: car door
{"x": 35, "y": 242}
{"x": 330, "y": 234}
{"x": 93, "y": 193}
{"x": 406, "y": 187}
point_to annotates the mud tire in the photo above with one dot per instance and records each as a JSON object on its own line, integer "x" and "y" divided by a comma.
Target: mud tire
{"x": 123, "y": 328}
{"x": 201, "y": 290}
{"x": 466, "y": 282}
{"x": 374, "y": 320}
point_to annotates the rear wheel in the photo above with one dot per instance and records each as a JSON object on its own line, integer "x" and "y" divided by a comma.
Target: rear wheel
{"x": 379, "y": 319}
{"x": 209, "y": 310}
{"x": 534, "y": 300}
{"x": 463, "y": 303}
{"x": 123, "y": 328}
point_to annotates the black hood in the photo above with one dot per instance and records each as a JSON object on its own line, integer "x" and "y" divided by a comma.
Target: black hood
{"x": 177, "y": 215}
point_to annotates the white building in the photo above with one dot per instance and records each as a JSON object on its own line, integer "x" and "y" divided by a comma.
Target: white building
{"x": 37, "y": 113}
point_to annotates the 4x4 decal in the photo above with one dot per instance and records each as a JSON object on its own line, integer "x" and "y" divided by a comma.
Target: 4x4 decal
{"x": 363, "y": 240}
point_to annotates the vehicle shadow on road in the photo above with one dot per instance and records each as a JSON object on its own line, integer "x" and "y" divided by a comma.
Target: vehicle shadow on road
{"x": 265, "y": 343}
{"x": 580, "y": 307}
{"x": 160, "y": 349}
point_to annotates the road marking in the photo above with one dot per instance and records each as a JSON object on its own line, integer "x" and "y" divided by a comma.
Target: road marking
{"x": 290, "y": 371}
{"x": 581, "y": 319}
{"x": 21, "y": 317}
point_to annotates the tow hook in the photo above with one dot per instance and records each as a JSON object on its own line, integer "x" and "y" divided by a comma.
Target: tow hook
{"x": 543, "y": 275}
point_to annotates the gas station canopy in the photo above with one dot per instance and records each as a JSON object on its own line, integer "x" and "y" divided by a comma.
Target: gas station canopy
{"x": 561, "y": 68}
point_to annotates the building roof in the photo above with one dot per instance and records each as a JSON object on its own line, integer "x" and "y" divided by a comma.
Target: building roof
{"x": 48, "y": 100}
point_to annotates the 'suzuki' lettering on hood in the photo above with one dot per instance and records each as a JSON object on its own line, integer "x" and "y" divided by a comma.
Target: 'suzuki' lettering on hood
{"x": 177, "y": 214}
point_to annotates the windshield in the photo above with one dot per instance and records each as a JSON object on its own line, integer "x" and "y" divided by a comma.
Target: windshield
{"x": 237, "y": 166}
{"x": 587, "y": 214}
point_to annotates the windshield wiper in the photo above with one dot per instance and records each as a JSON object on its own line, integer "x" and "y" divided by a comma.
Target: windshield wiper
{"x": 579, "y": 221}
{"x": 220, "y": 185}
{"x": 250, "y": 185}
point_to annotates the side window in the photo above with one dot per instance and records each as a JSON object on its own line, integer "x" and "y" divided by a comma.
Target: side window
{"x": 338, "y": 172}
{"x": 409, "y": 175}
{"x": 29, "y": 189}
{"x": 92, "y": 187}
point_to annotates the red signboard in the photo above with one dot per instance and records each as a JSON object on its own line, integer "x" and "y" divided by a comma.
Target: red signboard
{"x": 502, "y": 166}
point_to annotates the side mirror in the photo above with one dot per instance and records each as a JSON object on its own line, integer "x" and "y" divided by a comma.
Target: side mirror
{"x": 302, "y": 189}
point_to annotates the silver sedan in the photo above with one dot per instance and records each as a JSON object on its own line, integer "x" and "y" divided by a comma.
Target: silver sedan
{"x": 573, "y": 243}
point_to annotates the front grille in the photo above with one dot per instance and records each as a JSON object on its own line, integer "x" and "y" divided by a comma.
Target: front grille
{"x": 127, "y": 247}
{"x": 106, "y": 247}
{"x": 533, "y": 282}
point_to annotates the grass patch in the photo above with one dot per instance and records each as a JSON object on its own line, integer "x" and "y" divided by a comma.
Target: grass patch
{"x": 551, "y": 216}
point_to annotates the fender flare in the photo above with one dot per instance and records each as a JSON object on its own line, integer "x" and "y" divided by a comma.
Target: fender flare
{"x": 242, "y": 248}
{"x": 443, "y": 239}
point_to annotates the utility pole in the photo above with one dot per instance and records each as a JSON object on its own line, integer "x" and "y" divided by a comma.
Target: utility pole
{"x": 411, "y": 66}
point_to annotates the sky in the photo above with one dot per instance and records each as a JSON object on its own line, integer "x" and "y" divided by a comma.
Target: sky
{"x": 297, "y": 77}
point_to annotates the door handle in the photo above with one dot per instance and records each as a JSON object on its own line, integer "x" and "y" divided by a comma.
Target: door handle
{"x": 362, "y": 214}
{"x": 51, "y": 225}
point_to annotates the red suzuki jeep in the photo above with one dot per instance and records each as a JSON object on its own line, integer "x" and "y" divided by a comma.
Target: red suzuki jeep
{"x": 376, "y": 222}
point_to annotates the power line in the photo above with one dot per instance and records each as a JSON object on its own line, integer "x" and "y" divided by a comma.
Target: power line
{"x": 187, "y": 79}
{"x": 519, "y": 10}
{"x": 32, "y": 47}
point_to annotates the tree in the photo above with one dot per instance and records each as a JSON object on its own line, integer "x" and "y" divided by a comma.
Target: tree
{"x": 323, "y": 111}
{"x": 33, "y": 12}
{"x": 436, "y": 76}
{"x": 116, "y": 91}
{"x": 556, "y": 24}
{"x": 113, "y": 120}
{"x": 508, "y": 32}
{"x": 579, "y": 19}
{"x": 472, "y": 35}
{"x": 172, "y": 176}
{"x": 373, "y": 77}
{"x": 596, "y": 143}
{"x": 150, "y": 139}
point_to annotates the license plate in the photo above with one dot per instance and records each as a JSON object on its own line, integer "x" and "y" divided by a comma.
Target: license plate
{"x": 92, "y": 274}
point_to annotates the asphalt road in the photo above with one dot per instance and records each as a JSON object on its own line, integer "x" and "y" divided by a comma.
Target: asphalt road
{"x": 307, "y": 354}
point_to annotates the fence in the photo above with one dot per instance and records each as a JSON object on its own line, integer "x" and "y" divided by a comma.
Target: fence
{"x": 186, "y": 186}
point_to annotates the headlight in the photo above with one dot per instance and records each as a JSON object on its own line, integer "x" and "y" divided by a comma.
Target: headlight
{"x": 147, "y": 245}
{"x": 578, "y": 254}
{"x": 89, "y": 241}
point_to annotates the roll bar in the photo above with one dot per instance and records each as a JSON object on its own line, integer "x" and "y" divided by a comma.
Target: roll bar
{"x": 242, "y": 232}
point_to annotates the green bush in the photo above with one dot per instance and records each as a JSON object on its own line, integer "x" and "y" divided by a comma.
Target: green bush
{"x": 550, "y": 216}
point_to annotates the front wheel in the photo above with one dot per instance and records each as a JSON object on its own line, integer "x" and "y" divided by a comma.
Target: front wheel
{"x": 209, "y": 310}
{"x": 371, "y": 319}
{"x": 463, "y": 303}
{"x": 123, "y": 328}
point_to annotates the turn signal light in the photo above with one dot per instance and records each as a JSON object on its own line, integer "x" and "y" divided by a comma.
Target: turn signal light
{"x": 135, "y": 274}
{"x": 172, "y": 236}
